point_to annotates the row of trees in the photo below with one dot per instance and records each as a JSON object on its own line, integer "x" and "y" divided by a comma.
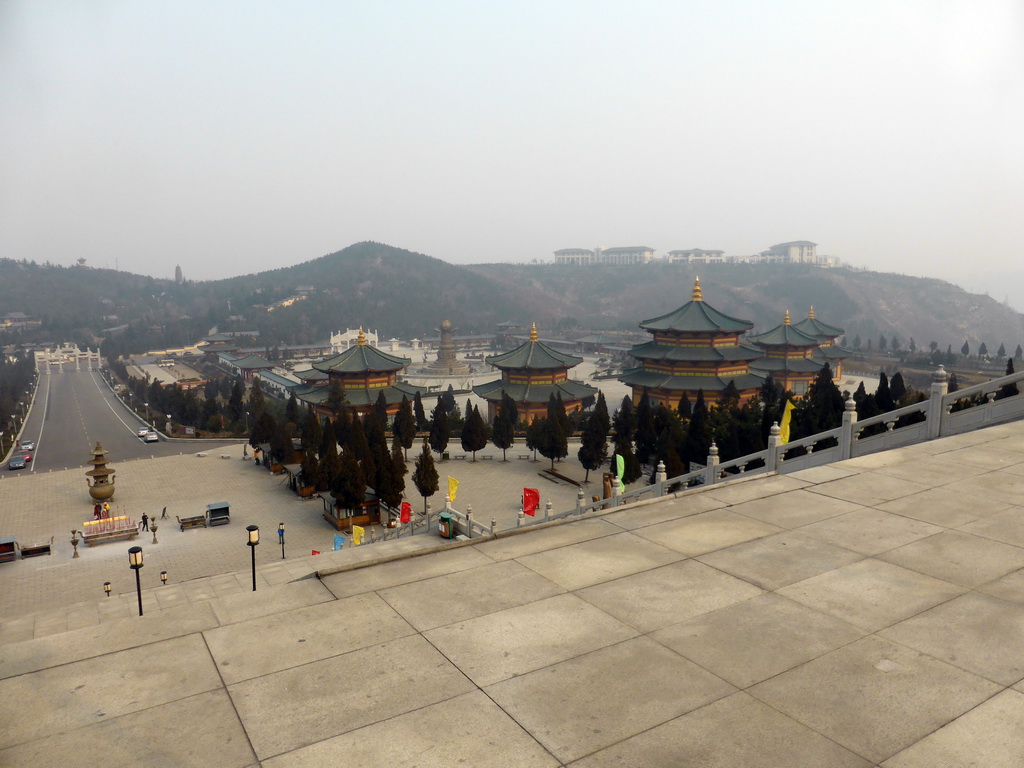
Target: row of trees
{"x": 16, "y": 374}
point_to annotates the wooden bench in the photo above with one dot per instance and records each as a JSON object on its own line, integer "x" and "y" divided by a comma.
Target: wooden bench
{"x": 35, "y": 550}
{"x": 109, "y": 529}
{"x": 191, "y": 522}
{"x": 524, "y": 456}
{"x": 488, "y": 457}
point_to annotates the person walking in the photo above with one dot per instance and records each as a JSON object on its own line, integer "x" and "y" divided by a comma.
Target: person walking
{"x": 145, "y": 521}
{"x": 256, "y": 455}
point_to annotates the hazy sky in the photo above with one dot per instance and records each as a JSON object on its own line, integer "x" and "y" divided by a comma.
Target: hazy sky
{"x": 232, "y": 137}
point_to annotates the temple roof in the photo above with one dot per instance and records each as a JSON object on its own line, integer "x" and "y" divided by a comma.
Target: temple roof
{"x": 638, "y": 377}
{"x": 534, "y": 393}
{"x": 358, "y": 397}
{"x": 360, "y": 358}
{"x": 785, "y": 335}
{"x": 652, "y": 350}
{"x": 533, "y": 354}
{"x": 792, "y": 364}
{"x": 812, "y": 326}
{"x": 696, "y": 316}
{"x": 833, "y": 352}
{"x": 252, "y": 362}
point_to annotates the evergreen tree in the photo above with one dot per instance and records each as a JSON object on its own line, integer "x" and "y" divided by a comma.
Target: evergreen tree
{"x": 856, "y": 342}
{"x": 897, "y": 389}
{"x": 380, "y": 408}
{"x": 404, "y": 426}
{"x": 965, "y": 350}
{"x": 646, "y": 435}
{"x": 684, "y": 408}
{"x": 632, "y": 471}
{"x": 1018, "y": 354}
{"x": 535, "y": 434}
{"x": 310, "y": 467}
{"x": 291, "y": 410}
{"x": 509, "y": 409}
{"x": 420, "y": 414}
{"x": 563, "y": 417}
{"x": 933, "y": 346}
{"x": 398, "y": 459}
{"x": 257, "y": 403}
{"x": 593, "y": 445}
{"x": 698, "y": 433}
{"x": 503, "y": 431}
{"x": 424, "y": 476}
{"x": 439, "y": 435}
{"x": 883, "y": 396}
{"x": 912, "y": 346}
{"x": 474, "y": 432}
{"x": 391, "y": 481}
{"x": 881, "y": 343}
{"x": 1001, "y": 352}
{"x": 374, "y": 427}
{"x": 625, "y": 422}
{"x": 894, "y": 344}
{"x": 554, "y": 442}
{"x": 336, "y": 399}
{"x": 1007, "y": 390}
{"x": 281, "y": 444}
{"x": 262, "y": 429}
{"x": 982, "y": 350}
{"x": 950, "y": 357}
{"x": 329, "y": 465}
{"x": 821, "y": 408}
{"x": 236, "y": 409}
{"x": 342, "y": 427}
{"x": 348, "y": 487}
{"x": 448, "y": 399}
{"x": 357, "y": 441}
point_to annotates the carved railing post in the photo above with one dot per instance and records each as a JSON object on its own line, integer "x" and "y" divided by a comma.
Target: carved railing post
{"x": 659, "y": 479}
{"x": 846, "y": 437}
{"x": 774, "y": 443}
{"x": 936, "y": 411}
{"x": 711, "y": 471}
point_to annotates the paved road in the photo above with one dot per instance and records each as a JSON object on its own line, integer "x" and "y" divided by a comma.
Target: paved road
{"x": 73, "y": 410}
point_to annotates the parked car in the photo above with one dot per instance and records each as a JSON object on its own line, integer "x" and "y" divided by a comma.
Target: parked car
{"x": 26, "y": 455}
{"x": 143, "y": 431}
{"x": 152, "y": 437}
{"x": 16, "y": 462}
{"x": 27, "y": 445}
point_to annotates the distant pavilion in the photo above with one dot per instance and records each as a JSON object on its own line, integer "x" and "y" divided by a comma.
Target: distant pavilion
{"x": 789, "y": 356}
{"x": 828, "y": 351}
{"x": 694, "y": 348}
{"x": 363, "y": 372}
{"x": 530, "y": 374}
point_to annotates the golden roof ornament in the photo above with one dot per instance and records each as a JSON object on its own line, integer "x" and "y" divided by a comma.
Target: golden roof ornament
{"x": 810, "y": 315}
{"x": 361, "y": 341}
{"x": 785, "y": 321}
{"x": 533, "y": 332}
{"x": 696, "y": 296}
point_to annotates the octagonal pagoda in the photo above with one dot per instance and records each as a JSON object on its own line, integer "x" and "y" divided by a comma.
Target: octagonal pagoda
{"x": 828, "y": 351}
{"x": 693, "y": 348}
{"x": 789, "y": 356}
{"x": 530, "y": 374}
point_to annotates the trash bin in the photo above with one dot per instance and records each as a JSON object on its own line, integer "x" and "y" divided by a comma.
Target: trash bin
{"x": 445, "y": 529}
{"x": 445, "y": 456}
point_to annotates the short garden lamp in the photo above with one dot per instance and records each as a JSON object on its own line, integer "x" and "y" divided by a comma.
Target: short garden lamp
{"x": 163, "y": 578}
{"x": 135, "y": 563}
{"x": 254, "y": 540}
{"x": 106, "y": 587}
{"x": 280, "y": 535}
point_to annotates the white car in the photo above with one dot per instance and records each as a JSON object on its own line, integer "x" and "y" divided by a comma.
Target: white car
{"x": 143, "y": 432}
{"x": 152, "y": 437}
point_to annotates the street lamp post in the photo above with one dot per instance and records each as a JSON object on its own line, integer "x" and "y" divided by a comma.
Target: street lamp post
{"x": 135, "y": 563}
{"x": 106, "y": 587}
{"x": 280, "y": 533}
{"x": 254, "y": 540}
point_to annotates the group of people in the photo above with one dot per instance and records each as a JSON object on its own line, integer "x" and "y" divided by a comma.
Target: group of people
{"x": 101, "y": 510}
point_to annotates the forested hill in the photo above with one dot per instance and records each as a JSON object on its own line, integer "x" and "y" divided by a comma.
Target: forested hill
{"x": 405, "y": 294}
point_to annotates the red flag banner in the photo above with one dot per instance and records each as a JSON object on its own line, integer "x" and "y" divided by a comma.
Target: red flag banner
{"x": 313, "y": 552}
{"x": 406, "y": 514}
{"x": 531, "y": 500}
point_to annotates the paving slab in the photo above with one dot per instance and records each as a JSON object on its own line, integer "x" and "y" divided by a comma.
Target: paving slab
{"x": 989, "y": 735}
{"x": 546, "y": 538}
{"x": 1009, "y": 588}
{"x": 268, "y": 644}
{"x": 599, "y": 560}
{"x": 754, "y": 488}
{"x": 302, "y": 705}
{"x": 707, "y": 532}
{"x": 978, "y": 633}
{"x": 944, "y": 507}
{"x": 934, "y": 471}
{"x": 735, "y": 731}
{"x": 82, "y": 693}
{"x": 775, "y": 561}
{"x": 592, "y": 701}
{"x": 518, "y": 640}
{"x": 870, "y": 531}
{"x": 823, "y": 474}
{"x": 103, "y": 639}
{"x": 871, "y": 461}
{"x": 468, "y": 730}
{"x": 1001, "y": 486}
{"x": 870, "y": 488}
{"x": 1006, "y": 526}
{"x": 795, "y": 508}
{"x": 243, "y": 606}
{"x": 661, "y": 596}
{"x": 403, "y": 571}
{"x": 465, "y": 595}
{"x": 759, "y": 638}
{"x": 990, "y": 455}
{"x": 874, "y": 697}
{"x": 669, "y": 509}
{"x": 958, "y": 557}
{"x": 185, "y": 732}
{"x": 871, "y": 594}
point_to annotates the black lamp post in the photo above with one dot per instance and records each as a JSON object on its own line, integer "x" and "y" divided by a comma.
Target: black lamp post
{"x": 280, "y": 534}
{"x": 135, "y": 563}
{"x": 254, "y": 540}
{"x": 163, "y": 578}
{"x": 106, "y": 587}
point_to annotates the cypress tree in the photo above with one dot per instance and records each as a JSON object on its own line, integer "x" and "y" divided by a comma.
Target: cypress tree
{"x": 563, "y": 417}
{"x": 424, "y": 476}
{"x": 312, "y": 432}
{"x": 897, "y": 389}
{"x": 535, "y": 434}
{"x": 474, "y": 432}
{"x": 503, "y": 431}
{"x": 420, "y": 414}
{"x": 1007, "y": 390}
{"x": 601, "y": 412}
{"x": 509, "y": 409}
{"x": 625, "y": 421}
{"x": 291, "y": 410}
{"x": 684, "y": 408}
{"x": 698, "y": 433}
{"x": 404, "y": 426}
{"x": 357, "y": 439}
{"x": 554, "y": 442}
{"x": 593, "y": 445}
{"x": 398, "y": 459}
{"x": 646, "y": 435}
{"x": 883, "y": 396}
{"x": 336, "y": 399}
{"x": 348, "y": 487}
{"x": 439, "y": 435}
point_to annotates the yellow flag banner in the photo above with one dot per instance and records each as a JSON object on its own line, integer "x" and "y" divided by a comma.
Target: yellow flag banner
{"x": 357, "y": 535}
{"x": 453, "y": 487}
{"x": 787, "y": 417}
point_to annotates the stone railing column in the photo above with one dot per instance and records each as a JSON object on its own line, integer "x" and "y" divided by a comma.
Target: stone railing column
{"x": 936, "y": 413}
{"x": 846, "y": 436}
{"x": 711, "y": 471}
{"x": 660, "y": 477}
{"x": 579, "y": 502}
{"x": 771, "y": 463}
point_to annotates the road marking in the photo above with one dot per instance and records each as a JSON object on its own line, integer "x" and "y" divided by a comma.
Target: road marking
{"x": 39, "y": 442}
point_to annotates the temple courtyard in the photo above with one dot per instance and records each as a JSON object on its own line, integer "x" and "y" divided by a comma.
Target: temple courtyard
{"x": 864, "y": 613}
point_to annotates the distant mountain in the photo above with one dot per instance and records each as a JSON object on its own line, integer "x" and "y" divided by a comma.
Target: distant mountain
{"x": 406, "y": 294}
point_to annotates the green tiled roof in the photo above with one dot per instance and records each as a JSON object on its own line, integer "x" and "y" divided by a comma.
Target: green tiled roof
{"x": 773, "y": 364}
{"x": 533, "y": 355}
{"x": 832, "y": 353}
{"x": 638, "y": 377}
{"x": 358, "y": 398}
{"x": 697, "y": 316}
{"x": 534, "y": 393}
{"x": 654, "y": 351}
{"x": 361, "y": 358}
{"x": 252, "y": 362}
{"x": 812, "y": 326}
{"x": 784, "y": 336}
